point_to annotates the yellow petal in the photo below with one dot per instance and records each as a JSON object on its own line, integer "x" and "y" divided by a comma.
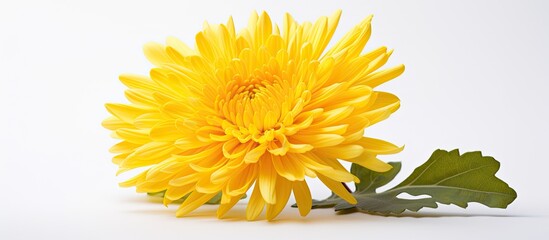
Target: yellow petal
{"x": 134, "y": 180}
{"x": 300, "y": 148}
{"x": 153, "y": 150}
{"x": 223, "y": 174}
{"x": 255, "y": 205}
{"x": 174, "y": 193}
{"x": 169, "y": 81}
{"x": 342, "y": 151}
{"x": 356, "y": 124}
{"x": 192, "y": 202}
{"x": 288, "y": 168}
{"x": 225, "y": 207}
{"x": 378, "y": 78}
{"x": 141, "y": 97}
{"x": 186, "y": 179}
{"x": 148, "y": 154}
{"x": 378, "y": 146}
{"x": 126, "y": 113}
{"x": 241, "y": 183}
{"x": 308, "y": 162}
{"x": 334, "y": 116}
{"x": 177, "y": 110}
{"x": 205, "y": 186}
{"x": 156, "y": 53}
{"x": 283, "y": 190}
{"x": 123, "y": 147}
{"x": 188, "y": 143}
{"x": 151, "y": 186}
{"x": 137, "y": 136}
{"x": 264, "y": 28}
{"x": 113, "y": 123}
{"x": 338, "y": 188}
{"x": 267, "y": 180}
{"x": 319, "y": 140}
{"x": 377, "y": 63}
{"x": 371, "y": 162}
{"x": 120, "y": 157}
{"x": 382, "y": 107}
{"x": 354, "y": 40}
{"x": 302, "y": 197}
{"x": 229, "y": 147}
{"x": 165, "y": 131}
{"x": 254, "y": 155}
{"x": 179, "y": 46}
{"x": 327, "y": 168}
{"x": 317, "y": 36}
{"x": 134, "y": 81}
{"x": 204, "y": 46}
{"x": 148, "y": 120}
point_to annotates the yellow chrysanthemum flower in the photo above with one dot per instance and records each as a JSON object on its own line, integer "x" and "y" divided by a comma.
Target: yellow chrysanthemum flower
{"x": 263, "y": 107}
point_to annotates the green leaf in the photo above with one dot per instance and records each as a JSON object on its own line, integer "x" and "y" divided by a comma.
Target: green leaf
{"x": 370, "y": 180}
{"x": 329, "y": 202}
{"x": 447, "y": 178}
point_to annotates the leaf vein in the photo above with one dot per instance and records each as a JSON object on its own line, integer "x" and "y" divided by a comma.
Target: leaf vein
{"x": 461, "y": 173}
{"x": 424, "y": 170}
{"x": 438, "y": 186}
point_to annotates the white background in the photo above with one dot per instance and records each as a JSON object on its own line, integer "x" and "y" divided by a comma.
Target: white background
{"x": 475, "y": 79}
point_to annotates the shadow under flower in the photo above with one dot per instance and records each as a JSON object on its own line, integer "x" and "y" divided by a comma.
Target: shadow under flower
{"x": 238, "y": 213}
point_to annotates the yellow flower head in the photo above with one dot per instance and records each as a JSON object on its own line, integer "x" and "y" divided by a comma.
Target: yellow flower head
{"x": 264, "y": 107}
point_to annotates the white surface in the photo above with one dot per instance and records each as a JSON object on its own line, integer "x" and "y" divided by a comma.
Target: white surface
{"x": 475, "y": 79}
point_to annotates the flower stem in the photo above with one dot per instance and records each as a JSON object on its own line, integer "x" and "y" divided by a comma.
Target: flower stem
{"x": 346, "y": 187}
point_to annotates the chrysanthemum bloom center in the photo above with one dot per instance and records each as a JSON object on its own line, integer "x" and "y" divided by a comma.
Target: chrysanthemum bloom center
{"x": 263, "y": 108}
{"x": 247, "y": 87}
{"x": 260, "y": 109}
